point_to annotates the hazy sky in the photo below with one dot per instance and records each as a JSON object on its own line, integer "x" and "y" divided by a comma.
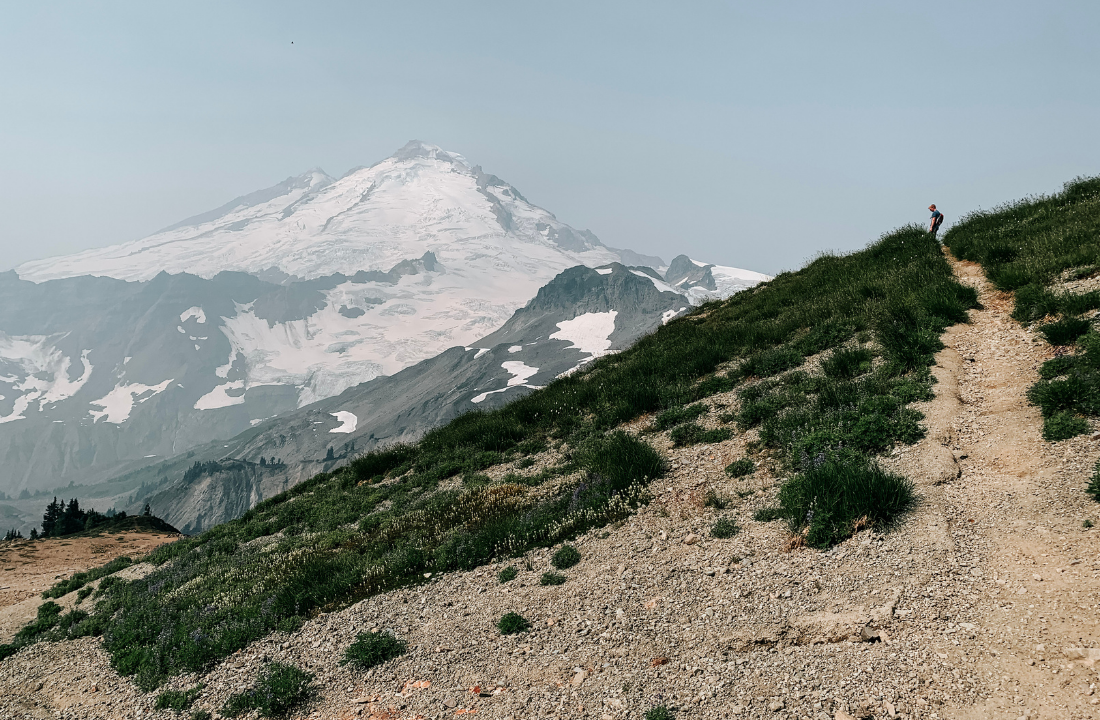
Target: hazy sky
{"x": 754, "y": 135}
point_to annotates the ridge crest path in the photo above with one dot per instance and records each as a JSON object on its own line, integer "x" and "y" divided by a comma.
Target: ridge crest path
{"x": 1024, "y": 502}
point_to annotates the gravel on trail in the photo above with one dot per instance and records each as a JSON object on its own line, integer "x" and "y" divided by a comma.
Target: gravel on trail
{"x": 982, "y": 603}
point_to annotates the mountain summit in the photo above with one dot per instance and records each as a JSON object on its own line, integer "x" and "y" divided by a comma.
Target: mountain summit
{"x": 420, "y": 199}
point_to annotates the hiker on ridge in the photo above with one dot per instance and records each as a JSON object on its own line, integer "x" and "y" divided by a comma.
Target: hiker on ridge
{"x": 937, "y": 220}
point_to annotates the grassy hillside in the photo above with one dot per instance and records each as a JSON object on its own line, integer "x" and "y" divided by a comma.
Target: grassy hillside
{"x": 870, "y": 322}
{"x": 1047, "y": 250}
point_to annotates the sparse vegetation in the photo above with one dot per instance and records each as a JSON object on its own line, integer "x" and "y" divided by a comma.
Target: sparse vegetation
{"x": 508, "y": 574}
{"x": 565, "y": 558}
{"x": 740, "y": 468}
{"x": 370, "y": 649}
{"x": 693, "y": 433}
{"x": 767, "y": 514}
{"x": 83, "y": 593}
{"x": 724, "y": 527}
{"x": 678, "y": 415}
{"x": 178, "y": 700}
{"x": 1065, "y": 331}
{"x": 278, "y": 689}
{"x": 660, "y": 712}
{"x": 835, "y": 496}
{"x": 513, "y": 623}
{"x": 80, "y": 579}
{"x": 1063, "y": 425}
{"x": 712, "y": 499}
{"x": 551, "y": 578}
{"x": 1032, "y": 247}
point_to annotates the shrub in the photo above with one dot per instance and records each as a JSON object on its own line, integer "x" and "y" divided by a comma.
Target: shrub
{"x": 1065, "y": 331}
{"x": 200, "y": 715}
{"x": 1063, "y": 426}
{"x": 277, "y": 690}
{"x": 178, "y": 700}
{"x": 740, "y": 468}
{"x": 724, "y": 528}
{"x": 692, "y": 433}
{"x": 658, "y": 713}
{"x": 507, "y": 574}
{"x": 1093, "y": 488}
{"x": 551, "y": 578}
{"x": 677, "y": 415}
{"x": 829, "y": 499}
{"x": 845, "y": 364}
{"x": 565, "y": 558}
{"x": 83, "y": 593}
{"x": 713, "y": 500}
{"x": 513, "y": 623}
{"x": 767, "y": 514}
{"x": 370, "y": 649}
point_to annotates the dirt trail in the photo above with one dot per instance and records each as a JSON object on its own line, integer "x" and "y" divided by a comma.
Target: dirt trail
{"x": 27, "y": 567}
{"x": 1025, "y": 505}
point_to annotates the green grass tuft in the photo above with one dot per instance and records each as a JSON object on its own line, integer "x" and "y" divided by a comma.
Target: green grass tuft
{"x": 692, "y": 434}
{"x": 724, "y": 528}
{"x": 847, "y": 363}
{"x": 740, "y": 468}
{"x": 370, "y": 649}
{"x": 278, "y": 690}
{"x": 660, "y": 712}
{"x": 677, "y": 415}
{"x": 513, "y": 623}
{"x": 837, "y": 495}
{"x": 552, "y": 578}
{"x": 565, "y": 558}
{"x": 508, "y": 574}
{"x": 1065, "y": 331}
{"x": 178, "y": 700}
{"x": 1063, "y": 426}
{"x": 768, "y": 514}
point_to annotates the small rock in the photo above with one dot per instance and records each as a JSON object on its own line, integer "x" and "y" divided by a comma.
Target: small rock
{"x": 579, "y": 678}
{"x": 1037, "y": 578}
{"x": 841, "y": 715}
{"x": 776, "y": 706}
{"x": 869, "y": 635}
{"x": 691, "y": 539}
{"x": 450, "y": 703}
{"x": 1095, "y": 436}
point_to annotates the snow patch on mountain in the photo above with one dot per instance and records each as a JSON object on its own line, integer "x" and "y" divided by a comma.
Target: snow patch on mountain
{"x": 193, "y": 312}
{"x": 119, "y": 403}
{"x": 37, "y": 371}
{"x": 520, "y": 373}
{"x": 590, "y": 333}
{"x": 348, "y": 421}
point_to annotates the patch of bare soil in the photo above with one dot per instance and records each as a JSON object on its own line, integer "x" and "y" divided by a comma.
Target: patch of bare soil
{"x": 28, "y": 567}
{"x": 982, "y": 604}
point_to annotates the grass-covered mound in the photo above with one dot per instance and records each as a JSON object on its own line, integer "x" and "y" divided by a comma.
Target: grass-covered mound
{"x": 395, "y": 515}
{"x": 1042, "y": 248}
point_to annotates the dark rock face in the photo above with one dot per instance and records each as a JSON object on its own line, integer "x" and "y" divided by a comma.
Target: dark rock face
{"x": 684, "y": 273}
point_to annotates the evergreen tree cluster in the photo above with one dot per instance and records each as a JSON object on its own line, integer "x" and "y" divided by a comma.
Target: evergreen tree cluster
{"x": 13, "y": 534}
{"x": 65, "y": 519}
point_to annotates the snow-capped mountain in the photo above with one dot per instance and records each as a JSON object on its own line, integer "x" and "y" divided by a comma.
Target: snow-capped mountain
{"x": 114, "y": 358}
{"x": 421, "y": 199}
